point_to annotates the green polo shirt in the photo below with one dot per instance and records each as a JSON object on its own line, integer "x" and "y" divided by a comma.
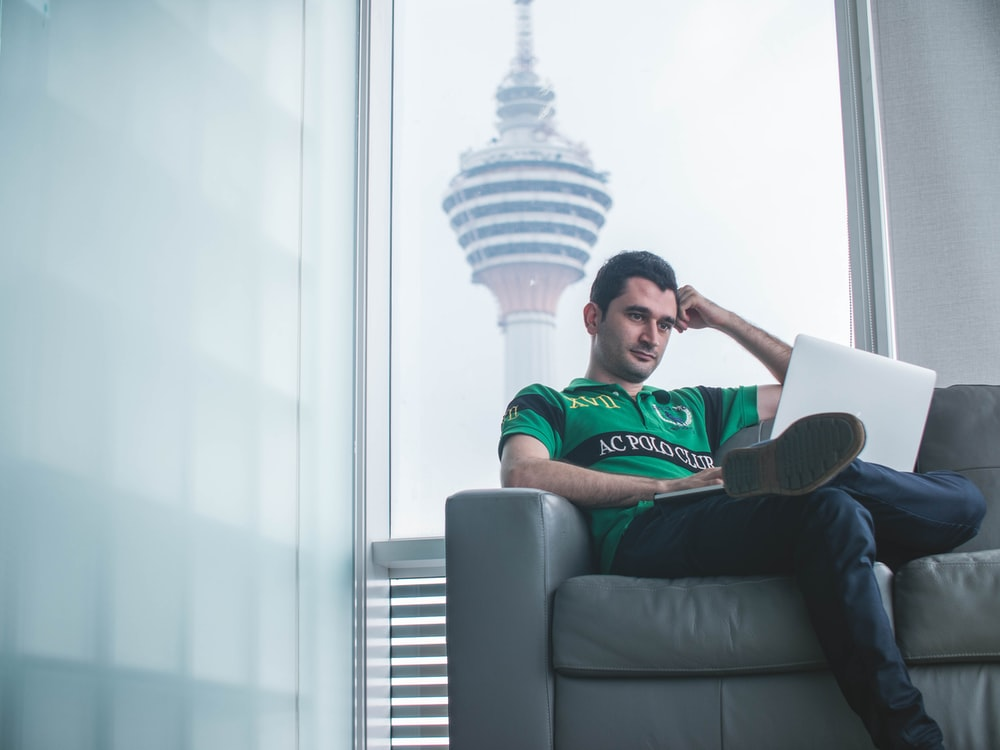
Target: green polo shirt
{"x": 664, "y": 434}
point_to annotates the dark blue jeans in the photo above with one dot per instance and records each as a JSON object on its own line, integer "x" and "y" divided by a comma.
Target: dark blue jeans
{"x": 828, "y": 541}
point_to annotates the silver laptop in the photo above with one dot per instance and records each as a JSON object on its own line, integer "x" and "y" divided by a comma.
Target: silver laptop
{"x": 890, "y": 397}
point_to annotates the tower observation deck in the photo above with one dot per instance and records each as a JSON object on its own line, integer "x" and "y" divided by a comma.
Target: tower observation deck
{"x": 527, "y": 209}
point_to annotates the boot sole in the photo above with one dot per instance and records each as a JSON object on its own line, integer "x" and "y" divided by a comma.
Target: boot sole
{"x": 807, "y": 455}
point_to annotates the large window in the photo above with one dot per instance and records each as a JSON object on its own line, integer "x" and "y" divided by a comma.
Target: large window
{"x": 714, "y": 127}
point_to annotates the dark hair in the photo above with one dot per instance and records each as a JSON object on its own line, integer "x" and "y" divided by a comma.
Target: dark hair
{"x": 614, "y": 275}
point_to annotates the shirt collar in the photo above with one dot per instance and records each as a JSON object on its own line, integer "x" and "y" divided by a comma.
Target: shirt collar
{"x": 583, "y": 384}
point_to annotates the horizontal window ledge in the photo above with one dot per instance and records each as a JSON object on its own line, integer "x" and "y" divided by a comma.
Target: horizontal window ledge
{"x": 410, "y": 558}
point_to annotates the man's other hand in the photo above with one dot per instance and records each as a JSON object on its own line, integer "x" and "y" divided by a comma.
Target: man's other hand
{"x": 704, "y": 478}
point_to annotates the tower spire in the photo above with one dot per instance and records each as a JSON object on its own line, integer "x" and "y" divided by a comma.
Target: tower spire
{"x": 524, "y": 62}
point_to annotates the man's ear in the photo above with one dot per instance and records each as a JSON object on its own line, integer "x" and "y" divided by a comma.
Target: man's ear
{"x": 591, "y": 317}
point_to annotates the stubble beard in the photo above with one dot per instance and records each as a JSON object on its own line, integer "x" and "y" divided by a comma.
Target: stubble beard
{"x": 633, "y": 371}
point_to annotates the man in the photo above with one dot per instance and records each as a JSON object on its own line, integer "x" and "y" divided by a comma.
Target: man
{"x": 610, "y": 443}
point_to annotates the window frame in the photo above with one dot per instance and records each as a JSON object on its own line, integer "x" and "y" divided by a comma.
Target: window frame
{"x": 868, "y": 237}
{"x": 372, "y": 360}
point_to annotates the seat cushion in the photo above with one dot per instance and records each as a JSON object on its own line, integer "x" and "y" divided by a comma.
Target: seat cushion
{"x": 948, "y": 608}
{"x": 617, "y": 626}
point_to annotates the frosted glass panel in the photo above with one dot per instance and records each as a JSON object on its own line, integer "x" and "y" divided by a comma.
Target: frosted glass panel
{"x": 151, "y": 232}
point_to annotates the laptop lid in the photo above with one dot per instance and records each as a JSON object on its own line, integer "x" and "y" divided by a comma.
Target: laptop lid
{"x": 890, "y": 397}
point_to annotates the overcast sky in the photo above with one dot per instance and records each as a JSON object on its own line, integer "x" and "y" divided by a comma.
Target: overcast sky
{"x": 719, "y": 123}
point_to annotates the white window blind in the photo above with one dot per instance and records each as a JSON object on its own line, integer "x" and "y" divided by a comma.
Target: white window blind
{"x": 418, "y": 663}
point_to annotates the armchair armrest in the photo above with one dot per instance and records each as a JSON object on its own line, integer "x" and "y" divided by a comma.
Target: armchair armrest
{"x": 506, "y": 552}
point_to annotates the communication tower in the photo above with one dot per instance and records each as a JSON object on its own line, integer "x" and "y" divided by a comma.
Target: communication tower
{"x": 527, "y": 209}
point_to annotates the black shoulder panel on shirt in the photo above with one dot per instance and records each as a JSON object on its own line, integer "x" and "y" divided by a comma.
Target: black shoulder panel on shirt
{"x": 713, "y": 414}
{"x": 544, "y": 408}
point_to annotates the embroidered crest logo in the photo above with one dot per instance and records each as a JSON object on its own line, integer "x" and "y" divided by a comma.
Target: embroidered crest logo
{"x": 680, "y": 416}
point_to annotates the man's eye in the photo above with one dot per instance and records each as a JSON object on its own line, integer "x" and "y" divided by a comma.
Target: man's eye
{"x": 665, "y": 327}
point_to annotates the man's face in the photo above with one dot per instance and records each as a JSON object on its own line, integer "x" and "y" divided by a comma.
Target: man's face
{"x": 628, "y": 342}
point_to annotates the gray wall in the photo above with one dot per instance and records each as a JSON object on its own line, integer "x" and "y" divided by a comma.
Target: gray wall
{"x": 938, "y": 77}
{"x": 176, "y": 234}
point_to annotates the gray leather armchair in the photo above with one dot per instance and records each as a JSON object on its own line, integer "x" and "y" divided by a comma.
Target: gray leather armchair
{"x": 544, "y": 653}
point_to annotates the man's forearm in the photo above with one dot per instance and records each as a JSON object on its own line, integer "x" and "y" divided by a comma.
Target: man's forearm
{"x": 773, "y": 353}
{"x": 596, "y": 489}
{"x": 585, "y": 487}
{"x": 695, "y": 311}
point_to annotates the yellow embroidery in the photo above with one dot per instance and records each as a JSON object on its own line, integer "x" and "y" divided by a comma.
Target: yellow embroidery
{"x": 581, "y": 402}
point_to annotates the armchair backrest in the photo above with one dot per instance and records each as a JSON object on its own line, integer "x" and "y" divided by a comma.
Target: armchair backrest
{"x": 963, "y": 434}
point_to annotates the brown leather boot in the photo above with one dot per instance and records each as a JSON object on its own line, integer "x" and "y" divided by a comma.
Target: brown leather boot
{"x": 807, "y": 455}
